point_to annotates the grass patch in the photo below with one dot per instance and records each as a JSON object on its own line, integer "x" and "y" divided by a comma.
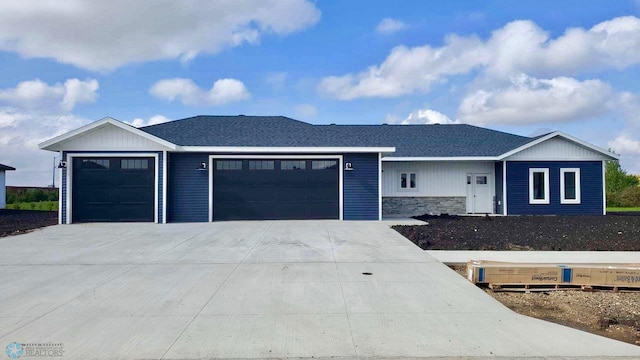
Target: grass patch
{"x": 623, "y": 209}
{"x": 39, "y": 205}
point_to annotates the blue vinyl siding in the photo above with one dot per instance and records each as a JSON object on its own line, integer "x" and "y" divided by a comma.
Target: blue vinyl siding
{"x": 590, "y": 184}
{"x": 188, "y": 188}
{"x": 499, "y": 201}
{"x": 360, "y": 188}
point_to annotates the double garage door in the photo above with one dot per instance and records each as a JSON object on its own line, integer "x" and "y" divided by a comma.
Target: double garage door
{"x": 113, "y": 189}
{"x": 280, "y": 189}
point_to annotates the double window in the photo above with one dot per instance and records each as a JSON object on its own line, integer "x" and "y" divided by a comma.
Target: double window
{"x": 539, "y": 186}
{"x": 408, "y": 181}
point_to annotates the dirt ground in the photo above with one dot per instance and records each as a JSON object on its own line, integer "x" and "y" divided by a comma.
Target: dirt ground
{"x": 13, "y": 222}
{"x": 615, "y": 315}
{"x": 615, "y": 232}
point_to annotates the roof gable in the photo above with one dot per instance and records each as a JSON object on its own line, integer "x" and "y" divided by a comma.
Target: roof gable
{"x": 558, "y": 146}
{"x": 106, "y": 134}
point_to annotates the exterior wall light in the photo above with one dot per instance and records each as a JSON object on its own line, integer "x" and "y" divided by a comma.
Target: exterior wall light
{"x": 202, "y": 166}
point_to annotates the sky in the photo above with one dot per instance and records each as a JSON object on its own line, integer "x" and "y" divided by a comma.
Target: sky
{"x": 524, "y": 67}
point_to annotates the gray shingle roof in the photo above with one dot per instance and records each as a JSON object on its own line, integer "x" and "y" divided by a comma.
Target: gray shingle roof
{"x": 279, "y": 131}
{"x": 6, "y": 168}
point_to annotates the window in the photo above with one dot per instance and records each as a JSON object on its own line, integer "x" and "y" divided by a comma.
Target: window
{"x": 481, "y": 180}
{"x": 95, "y": 164}
{"x": 538, "y": 186}
{"x": 570, "y": 186}
{"x": 408, "y": 181}
{"x": 324, "y": 164}
{"x": 229, "y": 165}
{"x": 293, "y": 165}
{"x": 261, "y": 165}
{"x": 134, "y": 164}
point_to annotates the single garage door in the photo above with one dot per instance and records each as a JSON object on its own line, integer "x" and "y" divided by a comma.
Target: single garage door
{"x": 275, "y": 189}
{"x": 113, "y": 189}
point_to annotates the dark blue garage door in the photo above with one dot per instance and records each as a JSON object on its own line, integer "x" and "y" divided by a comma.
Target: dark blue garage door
{"x": 275, "y": 189}
{"x": 113, "y": 189}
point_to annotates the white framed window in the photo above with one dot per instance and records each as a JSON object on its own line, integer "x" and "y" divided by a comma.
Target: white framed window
{"x": 570, "y": 186}
{"x": 538, "y": 186}
{"x": 408, "y": 181}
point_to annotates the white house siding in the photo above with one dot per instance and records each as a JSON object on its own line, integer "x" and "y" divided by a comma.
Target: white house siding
{"x": 3, "y": 191}
{"x": 441, "y": 186}
{"x": 557, "y": 149}
{"x": 111, "y": 138}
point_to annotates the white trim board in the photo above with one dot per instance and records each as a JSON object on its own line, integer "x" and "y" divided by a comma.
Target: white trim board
{"x": 69, "y": 186}
{"x": 288, "y": 150}
{"x": 278, "y": 157}
{"x": 165, "y": 178}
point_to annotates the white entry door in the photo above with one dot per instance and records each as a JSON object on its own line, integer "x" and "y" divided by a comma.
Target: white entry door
{"x": 479, "y": 198}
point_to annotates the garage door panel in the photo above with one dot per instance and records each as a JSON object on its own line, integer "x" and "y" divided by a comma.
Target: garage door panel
{"x": 281, "y": 189}
{"x": 113, "y": 189}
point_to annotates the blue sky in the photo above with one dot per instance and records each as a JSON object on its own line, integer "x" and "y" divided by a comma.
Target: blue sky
{"x": 525, "y": 67}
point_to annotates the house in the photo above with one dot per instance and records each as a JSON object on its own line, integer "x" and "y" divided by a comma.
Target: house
{"x": 212, "y": 168}
{"x": 3, "y": 189}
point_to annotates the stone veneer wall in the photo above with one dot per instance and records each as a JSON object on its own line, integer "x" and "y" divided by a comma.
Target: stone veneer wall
{"x": 413, "y": 206}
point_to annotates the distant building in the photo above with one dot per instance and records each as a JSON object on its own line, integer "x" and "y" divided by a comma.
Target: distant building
{"x": 3, "y": 190}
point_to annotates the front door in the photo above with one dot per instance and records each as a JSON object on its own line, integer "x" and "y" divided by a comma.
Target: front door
{"x": 479, "y": 199}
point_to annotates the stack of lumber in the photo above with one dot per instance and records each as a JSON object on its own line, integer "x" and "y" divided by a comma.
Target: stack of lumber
{"x": 545, "y": 276}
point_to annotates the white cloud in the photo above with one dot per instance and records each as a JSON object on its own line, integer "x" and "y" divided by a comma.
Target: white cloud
{"x": 426, "y": 116}
{"x": 407, "y": 70}
{"x": 306, "y": 111}
{"x": 518, "y": 47}
{"x": 629, "y": 150}
{"x": 105, "y": 35}
{"x": 222, "y": 92}
{"x": 623, "y": 144}
{"x": 156, "y": 119}
{"x": 20, "y": 133}
{"x": 389, "y": 26}
{"x": 33, "y": 112}
{"x": 36, "y": 94}
{"x": 529, "y": 100}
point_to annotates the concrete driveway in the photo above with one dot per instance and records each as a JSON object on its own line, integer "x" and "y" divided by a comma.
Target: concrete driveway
{"x": 258, "y": 290}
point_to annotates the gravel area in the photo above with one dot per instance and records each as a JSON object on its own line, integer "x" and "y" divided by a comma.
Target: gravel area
{"x": 614, "y": 232}
{"x": 13, "y": 222}
{"x": 610, "y": 314}
{"x": 615, "y": 315}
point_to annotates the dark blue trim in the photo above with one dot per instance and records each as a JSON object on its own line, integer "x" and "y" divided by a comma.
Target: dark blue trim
{"x": 590, "y": 184}
{"x": 360, "y": 187}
